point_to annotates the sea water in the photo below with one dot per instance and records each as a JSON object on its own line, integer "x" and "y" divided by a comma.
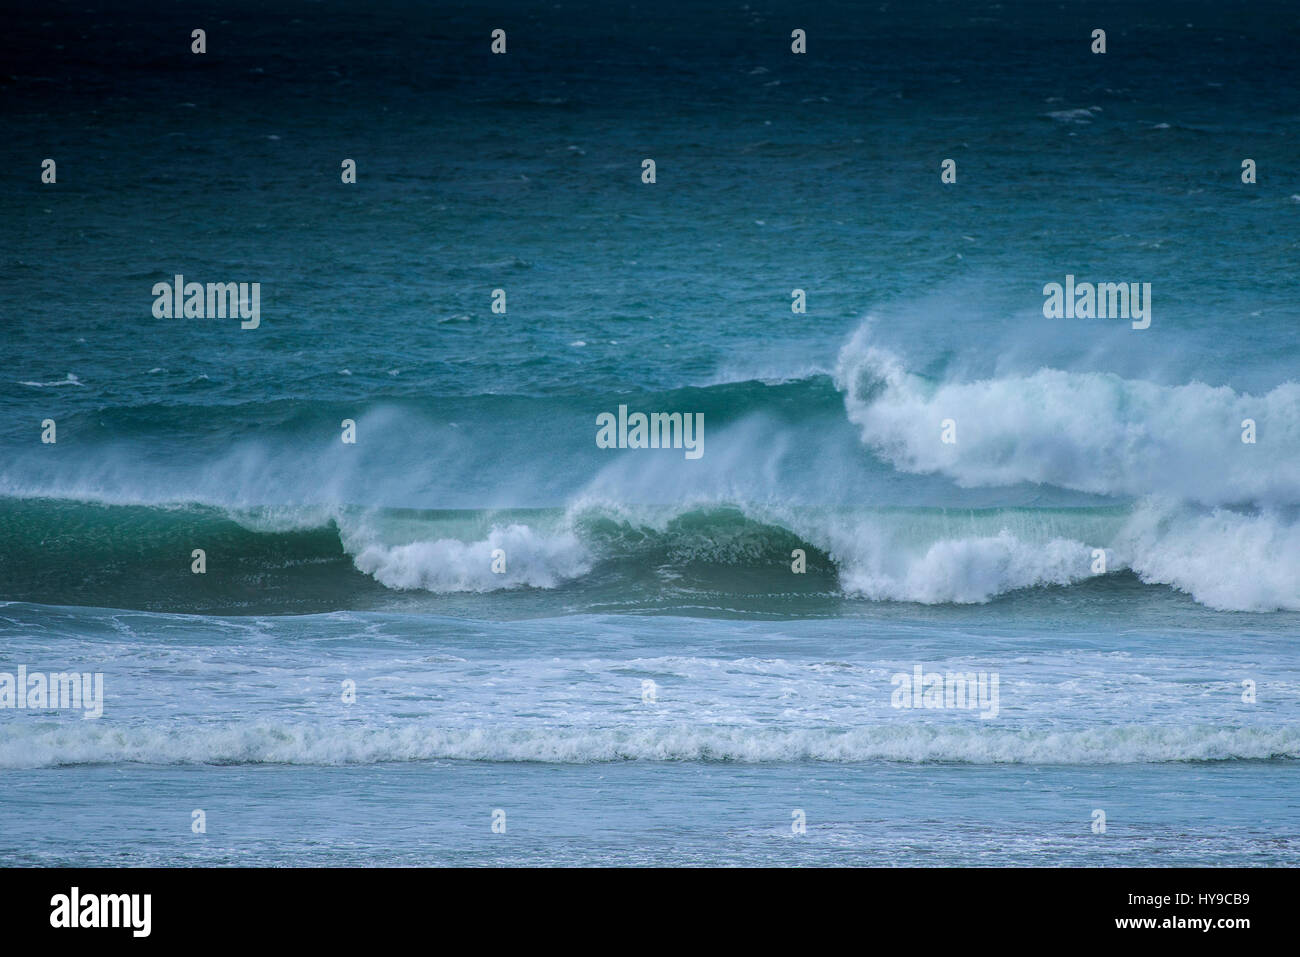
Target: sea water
{"x": 476, "y": 636}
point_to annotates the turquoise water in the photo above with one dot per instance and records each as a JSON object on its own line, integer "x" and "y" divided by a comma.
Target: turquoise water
{"x": 1125, "y": 688}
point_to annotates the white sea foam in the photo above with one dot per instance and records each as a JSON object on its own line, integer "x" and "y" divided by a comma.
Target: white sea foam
{"x": 960, "y": 570}
{"x": 29, "y": 745}
{"x": 70, "y": 380}
{"x": 449, "y": 565}
{"x": 1223, "y": 559}
{"x": 1092, "y": 432}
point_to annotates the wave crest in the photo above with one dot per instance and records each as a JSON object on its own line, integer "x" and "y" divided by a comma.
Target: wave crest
{"x": 1089, "y": 432}
{"x": 525, "y": 557}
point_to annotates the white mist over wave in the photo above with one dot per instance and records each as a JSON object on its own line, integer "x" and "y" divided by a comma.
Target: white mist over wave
{"x": 1091, "y": 432}
{"x": 287, "y": 743}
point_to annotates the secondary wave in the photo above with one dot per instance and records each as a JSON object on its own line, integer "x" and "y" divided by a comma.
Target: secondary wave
{"x": 313, "y": 558}
{"x": 26, "y": 745}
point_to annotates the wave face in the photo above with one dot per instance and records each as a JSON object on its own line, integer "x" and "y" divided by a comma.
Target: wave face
{"x": 1055, "y": 480}
{"x": 591, "y": 555}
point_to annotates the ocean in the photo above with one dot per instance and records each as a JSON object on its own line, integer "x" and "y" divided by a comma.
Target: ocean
{"x": 951, "y": 580}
